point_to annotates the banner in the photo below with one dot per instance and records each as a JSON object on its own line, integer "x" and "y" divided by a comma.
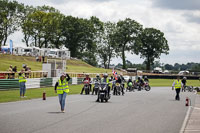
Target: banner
{"x": 11, "y": 46}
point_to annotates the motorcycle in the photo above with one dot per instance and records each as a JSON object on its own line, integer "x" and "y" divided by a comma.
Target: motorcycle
{"x": 103, "y": 92}
{"x": 137, "y": 86}
{"x": 87, "y": 87}
{"x": 146, "y": 86}
{"x": 117, "y": 89}
{"x": 188, "y": 88}
{"x": 130, "y": 87}
{"x": 96, "y": 87}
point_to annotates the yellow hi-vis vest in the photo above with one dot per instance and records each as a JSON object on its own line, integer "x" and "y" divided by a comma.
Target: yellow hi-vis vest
{"x": 177, "y": 84}
{"x": 103, "y": 80}
{"x": 62, "y": 87}
{"x": 22, "y": 78}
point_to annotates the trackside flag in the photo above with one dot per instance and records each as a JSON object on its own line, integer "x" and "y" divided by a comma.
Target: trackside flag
{"x": 114, "y": 73}
{"x": 11, "y": 46}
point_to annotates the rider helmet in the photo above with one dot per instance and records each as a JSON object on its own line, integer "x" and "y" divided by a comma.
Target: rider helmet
{"x": 105, "y": 75}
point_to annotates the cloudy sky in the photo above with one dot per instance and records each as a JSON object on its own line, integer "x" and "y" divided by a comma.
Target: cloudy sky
{"x": 178, "y": 19}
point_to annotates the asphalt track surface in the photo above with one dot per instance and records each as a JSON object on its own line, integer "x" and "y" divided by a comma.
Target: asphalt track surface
{"x": 155, "y": 111}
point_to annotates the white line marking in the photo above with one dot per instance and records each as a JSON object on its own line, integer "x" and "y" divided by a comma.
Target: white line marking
{"x": 185, "y": 120}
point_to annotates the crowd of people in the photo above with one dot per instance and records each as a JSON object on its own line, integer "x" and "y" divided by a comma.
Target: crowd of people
{"x": 13, "y": 70}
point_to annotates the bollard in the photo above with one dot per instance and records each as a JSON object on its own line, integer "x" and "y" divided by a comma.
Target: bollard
{"x": 187, "y": 101}
{"x": 44, "y": 95}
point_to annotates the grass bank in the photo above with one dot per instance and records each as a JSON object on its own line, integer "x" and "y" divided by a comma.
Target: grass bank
{"x": 76, "y": 66}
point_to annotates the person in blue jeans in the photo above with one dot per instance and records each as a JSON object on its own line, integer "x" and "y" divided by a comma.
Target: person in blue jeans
{"x": 22, "y": 83}
{"x": 62, "y": 88}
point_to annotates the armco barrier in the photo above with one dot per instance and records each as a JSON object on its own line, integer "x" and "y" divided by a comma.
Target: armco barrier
{"x": 9, "y": 84}
{"x": 6, "y": 84}
{"x": 46, "y": 82}
{"x": 33, "y": 83}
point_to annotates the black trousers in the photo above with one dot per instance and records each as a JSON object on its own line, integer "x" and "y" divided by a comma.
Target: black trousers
{"x": 90, "y": 86}
{"x": 177, "y": 93}
{"x": 115, "y": 90}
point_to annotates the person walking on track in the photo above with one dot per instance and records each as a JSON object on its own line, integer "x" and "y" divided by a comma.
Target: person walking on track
{"x": 62, "y": 88}
{"x": 177, "y": 84}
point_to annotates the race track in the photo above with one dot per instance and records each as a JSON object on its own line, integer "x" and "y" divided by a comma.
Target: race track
{"x": 155, "y": 111}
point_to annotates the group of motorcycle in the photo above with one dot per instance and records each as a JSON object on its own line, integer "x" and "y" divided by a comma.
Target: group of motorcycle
{"x": 138, "y": 86}
{"x": 102, "y": 90}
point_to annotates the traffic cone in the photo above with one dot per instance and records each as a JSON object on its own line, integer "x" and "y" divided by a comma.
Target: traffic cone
{"x": 44, "y": 95}
{"x": 187, "y": 101}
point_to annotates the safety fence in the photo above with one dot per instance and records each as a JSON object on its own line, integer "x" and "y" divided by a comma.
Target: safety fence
{"x": 6, "y": 84}
{"x": 29, "y": 74}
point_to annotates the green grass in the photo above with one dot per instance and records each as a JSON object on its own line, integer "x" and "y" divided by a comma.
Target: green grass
{"x": 7, "y": 60}
{"x": 169, "y": 82}
{"x": 13, "y": 95}
{"x": 76, "y": 66}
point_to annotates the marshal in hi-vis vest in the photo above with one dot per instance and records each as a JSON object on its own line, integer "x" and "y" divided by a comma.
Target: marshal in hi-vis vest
{"x": 177, "y": 84}
{"x": 105, "y": 80}
{"x": 22, "y": 78}
{"x": 62, "y": 87}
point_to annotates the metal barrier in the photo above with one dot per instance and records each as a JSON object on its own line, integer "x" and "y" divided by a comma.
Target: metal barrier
{"x": 9, "y": 84}
{"x": 31, "y": 74}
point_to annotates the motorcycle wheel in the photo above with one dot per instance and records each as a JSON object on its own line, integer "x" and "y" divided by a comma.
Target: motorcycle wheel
{"x": 147, "y": 88}
{"x": 87, "y": 91}
{"x": 101, "y": 99}
{"x": 190, "y": 89}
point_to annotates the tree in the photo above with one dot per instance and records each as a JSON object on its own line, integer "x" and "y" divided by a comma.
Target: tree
{"x": 126, "y": 37}
{"x": 153, "y": 44}
{"x": 106, "y": 47}
{"x": 168, "y": 67}
{"x": 26, "y": 25}
{"x": 9, "y": 19}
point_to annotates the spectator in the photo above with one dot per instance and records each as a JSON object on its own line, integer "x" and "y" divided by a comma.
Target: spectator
{"x": 10, "y": 72}
{"x": 37, "y": 58}
{"x": 27, "y": 71}
{"x": 43, "y": 58}
{"x": 14, "y": 71}
{"x": 24, "y": 65}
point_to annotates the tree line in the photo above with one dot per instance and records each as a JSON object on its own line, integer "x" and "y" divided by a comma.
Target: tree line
{"x": 191, "y": 66}
{"x": 90, "y": 39}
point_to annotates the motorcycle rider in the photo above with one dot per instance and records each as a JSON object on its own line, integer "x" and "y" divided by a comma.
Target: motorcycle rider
{"x": 97, "y": 79}
{"x": 119, "y": 80}
{"x": 184, "y": 83}
{"x": 129, "y": 83}
{"x": 140, "y": 82}
{"x": 146, "y": 79}
{"x": 87, "y": 77}
{"x": 123, "y": 80}
{"x": 105, "y": 80}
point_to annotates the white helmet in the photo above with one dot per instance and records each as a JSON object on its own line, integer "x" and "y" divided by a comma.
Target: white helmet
{"x": 105, "y": 75}
{"x": 97, "y": 75}
{"x": 184, "y": 78}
